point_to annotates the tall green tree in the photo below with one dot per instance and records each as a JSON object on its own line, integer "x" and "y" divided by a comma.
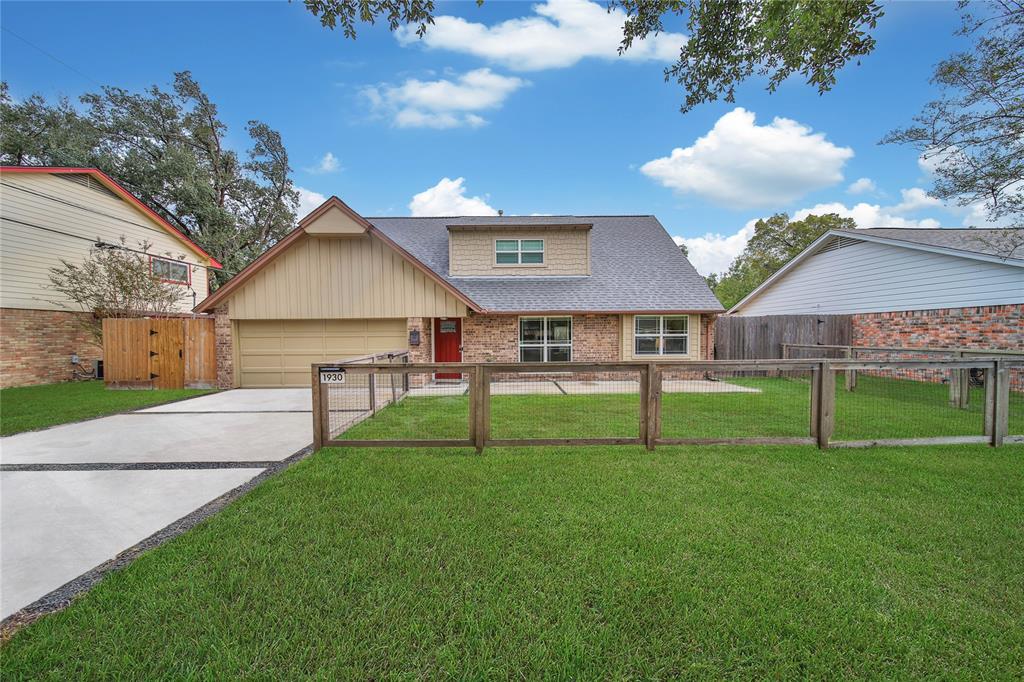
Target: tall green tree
{"x": 729, "y": 40}
{"x": 972, "y": 135}
{"x": 168, "y": 147}
{"x": 776, "y": 241}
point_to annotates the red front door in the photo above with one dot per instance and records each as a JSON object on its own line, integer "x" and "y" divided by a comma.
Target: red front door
{"x": 447, "y": 344}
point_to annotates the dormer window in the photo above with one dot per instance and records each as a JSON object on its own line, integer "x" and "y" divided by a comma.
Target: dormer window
{"x": 171, "y": 271}
{"x": 519, "y": 251}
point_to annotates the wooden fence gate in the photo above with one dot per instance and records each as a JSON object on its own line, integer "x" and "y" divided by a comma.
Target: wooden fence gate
{"x": 159, "y": 353}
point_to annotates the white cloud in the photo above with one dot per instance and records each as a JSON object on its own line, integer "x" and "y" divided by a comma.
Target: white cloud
{"x": 862, "y": 186}
{"x": 714, "y": 252}
{"x": 914, "y": 199}
{"x": 558, "y": 35}
{"x": 866, "y": 215}
{"x": 308, "y": 201}
{"x": 448, "y": 198}
{"x": 739, "y": 163}
{"x": 442, "y": 103}
{"x": 328, "y": 164}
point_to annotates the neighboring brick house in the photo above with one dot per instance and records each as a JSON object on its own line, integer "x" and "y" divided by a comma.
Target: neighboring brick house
{"x": 50, "y": 215}
{"x": 907, "y": 287}
{"x": 476, "y": 289}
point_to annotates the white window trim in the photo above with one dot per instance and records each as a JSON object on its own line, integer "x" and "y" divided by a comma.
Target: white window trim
{"x": 153, "y": 260}
{"x": 661, "y": 335}
{"x": 544, "y": 344}
{"x": 519, "y": 252}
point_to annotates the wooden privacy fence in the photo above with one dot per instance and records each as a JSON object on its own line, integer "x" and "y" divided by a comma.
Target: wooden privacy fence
{"x": 149, "y": 353}
{"x": 371, "y": 402}
{"x": 761, "y": 337}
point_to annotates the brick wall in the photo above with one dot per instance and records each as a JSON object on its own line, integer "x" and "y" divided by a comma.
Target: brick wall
{"x": 36, "y": 346}
{"x": 490, "y": 338}
{"x": 987, "y": 327}
{"x": 707, "y": 337}
{"x": 423, "y": 352}
{"x": 225, "y": 347}
{"x": 997, "y": 327}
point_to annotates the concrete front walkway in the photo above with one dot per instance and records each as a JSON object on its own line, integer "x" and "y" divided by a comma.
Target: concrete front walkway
{"x": 75, "y": 496}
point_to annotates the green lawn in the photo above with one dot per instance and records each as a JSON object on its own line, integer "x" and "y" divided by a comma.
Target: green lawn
{"x": 879, "y": 408}
{"x": 28, "y": 408}
{"x": 575, "y": 563}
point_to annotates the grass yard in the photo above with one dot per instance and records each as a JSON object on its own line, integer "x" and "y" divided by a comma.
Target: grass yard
{"x": 575, "y": 563}
{"x": 28, "y": 408}
{"x": 879, "y": 408}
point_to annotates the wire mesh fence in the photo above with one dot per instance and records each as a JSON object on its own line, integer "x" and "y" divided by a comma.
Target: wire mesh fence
{"x": 727, "y": 404}
{"x": 911, "y": 402}
{"x": 565, "y": 405}
{"x": 839, "y": 402}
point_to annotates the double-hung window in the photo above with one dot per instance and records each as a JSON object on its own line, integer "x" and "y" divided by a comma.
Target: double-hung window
{"x": 545, "y": 339}
{"x": 661, "y": 335}
{"x": 172, "y": 271}
{"x": 519, "y": 251}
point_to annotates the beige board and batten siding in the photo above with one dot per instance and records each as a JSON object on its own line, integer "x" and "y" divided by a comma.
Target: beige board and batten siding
{"x": 35, "y": 208}
{"x": 341, "y": 278}
{"x": 278, "y": 353}
{"x": 692, "y": 340}
{"x": 566, "y": 252}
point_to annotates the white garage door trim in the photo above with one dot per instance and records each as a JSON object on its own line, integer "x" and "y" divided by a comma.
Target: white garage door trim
{"x": 278, "y": 353}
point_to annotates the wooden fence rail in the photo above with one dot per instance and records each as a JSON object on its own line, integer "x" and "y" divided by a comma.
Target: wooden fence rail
{"x": 651, "y": 376}
{"x": 169, "y": 352}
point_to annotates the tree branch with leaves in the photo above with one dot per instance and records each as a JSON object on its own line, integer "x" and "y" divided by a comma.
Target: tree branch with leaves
{"x": 113, "y": 281}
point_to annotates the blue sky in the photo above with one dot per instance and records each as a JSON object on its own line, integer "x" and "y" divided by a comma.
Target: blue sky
{"x": 517, "y": 106}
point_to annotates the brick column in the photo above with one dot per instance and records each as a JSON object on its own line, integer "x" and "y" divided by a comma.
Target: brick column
{"x": 707, "y": 337}
{"x": 225, "y": 347}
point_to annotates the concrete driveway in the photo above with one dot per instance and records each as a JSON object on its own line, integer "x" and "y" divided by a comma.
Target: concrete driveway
{"x": 74, "y": 497}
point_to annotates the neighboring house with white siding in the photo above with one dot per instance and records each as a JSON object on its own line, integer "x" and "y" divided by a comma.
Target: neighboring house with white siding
{"x": 50, "y": 215}
{"x": 906, "y": 287}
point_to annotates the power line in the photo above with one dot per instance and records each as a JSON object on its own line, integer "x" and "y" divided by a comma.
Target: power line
{"x": 98, "y": 243}
{"x": 52, "y": 56}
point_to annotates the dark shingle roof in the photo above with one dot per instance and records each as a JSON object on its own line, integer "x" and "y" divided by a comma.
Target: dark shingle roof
{"x": 635, "y": 265}
{"x": 991, "y": 242}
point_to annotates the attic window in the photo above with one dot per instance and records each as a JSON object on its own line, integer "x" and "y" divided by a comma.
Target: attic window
{"x": 519, "y": 251}
{"x": 171, "y": 271}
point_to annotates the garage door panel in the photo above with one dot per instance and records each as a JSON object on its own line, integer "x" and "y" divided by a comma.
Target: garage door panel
{"x": 348, "y": 326}
{"x": 279, "y": 352}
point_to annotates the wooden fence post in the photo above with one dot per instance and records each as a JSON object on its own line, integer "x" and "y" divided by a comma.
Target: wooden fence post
{"x": 851, "y": 374}
{"x": 318, "y": 416}
{"x": 645, "y": 401}
{"x": 990, "y": 402}
{"x": 654, "y": 405}
{"x": 826, "y": 404}
{"x": 482, "y": 430}
{"x": 1001, "y": 416}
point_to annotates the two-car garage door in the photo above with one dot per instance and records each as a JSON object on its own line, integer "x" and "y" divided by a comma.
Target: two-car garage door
{"x": 278, "y": 353}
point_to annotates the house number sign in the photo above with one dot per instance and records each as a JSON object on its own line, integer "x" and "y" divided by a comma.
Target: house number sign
{"x": 332, "y": 375}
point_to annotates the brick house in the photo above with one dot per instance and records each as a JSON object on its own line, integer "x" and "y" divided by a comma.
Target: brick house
{"x": 907, "y": 287}
{"x": 54, "y": 215}
{"x": 474, "y": 289}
